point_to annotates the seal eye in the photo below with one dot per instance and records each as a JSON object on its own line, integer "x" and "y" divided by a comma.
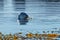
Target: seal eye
{"x": 23, "y": 18}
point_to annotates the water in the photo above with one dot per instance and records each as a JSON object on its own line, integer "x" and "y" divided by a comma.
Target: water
{"x": 44, "y": 20}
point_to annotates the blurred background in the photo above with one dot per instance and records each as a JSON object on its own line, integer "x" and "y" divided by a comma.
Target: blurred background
{"x": 45, "y": 15}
